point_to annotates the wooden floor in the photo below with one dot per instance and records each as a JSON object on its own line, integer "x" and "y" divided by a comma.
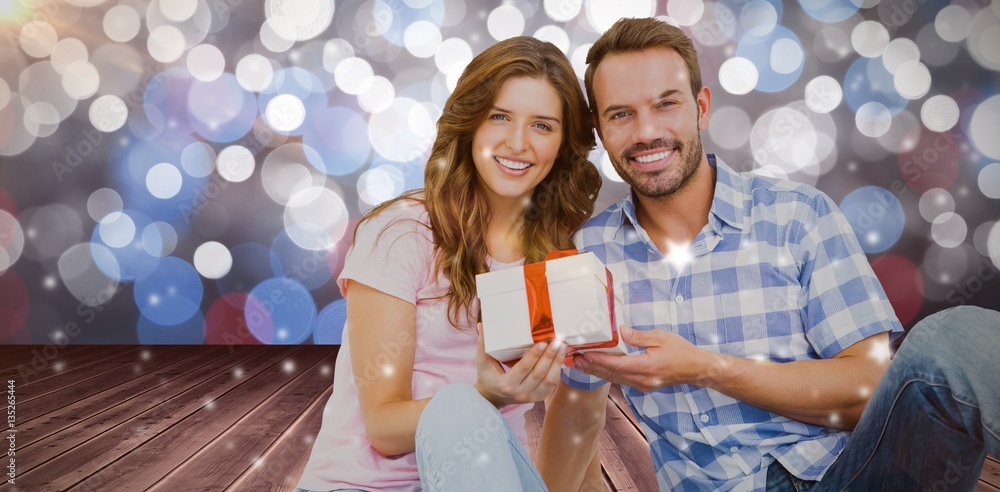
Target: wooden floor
{"x": 212, "y": 418}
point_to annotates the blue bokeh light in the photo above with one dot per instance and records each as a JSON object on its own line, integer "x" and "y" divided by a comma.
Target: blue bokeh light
{"x": 280, "y": 311}
{"x": 830, "y": 10}
{"x": 251, "y": 266}
{"x": 876, "y": 216}
{"x": 330, "y": 323}
{"x": 339, "y": 137}
{"x": 171, "y": 293}
{"x": 868, "y": 81}
{"x": 188, "y": 332}
{"x": 761, "y": 51}
{"x": 131, "y": 260}
{"x": 221, "y": 110}
{"x": 307, "y": 266}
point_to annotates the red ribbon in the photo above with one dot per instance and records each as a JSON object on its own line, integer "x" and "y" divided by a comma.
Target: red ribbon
{"x": 540, "y": 306}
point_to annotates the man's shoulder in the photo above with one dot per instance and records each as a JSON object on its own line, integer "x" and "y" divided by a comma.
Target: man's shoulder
{"x": 600, "y": 228}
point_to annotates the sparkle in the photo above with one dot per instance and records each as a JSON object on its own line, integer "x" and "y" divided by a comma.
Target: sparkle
{"x": 154, "y": 300}
{"x": 834, "y": 418}
{"x": 145, "y": 355}
{"x": 49, "y": 282}
{"x": 288, "y": 366}
{"x": 308, "y": 438}
{"x": 679, "y": 255}
{"x": 865, "y": 392}
{"x": 258, "y": 462}
{"x": 881, "y": 352}
{"x": 58, "y": 366}
{"x": 58, "y": 335}
{"x": 325, "y": 370}
{"x": 238, "y": 372}
{"x": 230, "y": 445}
{"x": 210, "y": 404}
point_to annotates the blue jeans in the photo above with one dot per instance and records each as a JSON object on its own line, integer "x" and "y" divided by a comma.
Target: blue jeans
{"x": 931, "y": 419}
{"x": 463, "y": 443}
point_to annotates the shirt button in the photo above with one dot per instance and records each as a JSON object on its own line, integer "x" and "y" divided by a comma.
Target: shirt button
{"x": 679, "y": 299}
{"x": 734, "y": 449}
{"x": 704, "y": 417}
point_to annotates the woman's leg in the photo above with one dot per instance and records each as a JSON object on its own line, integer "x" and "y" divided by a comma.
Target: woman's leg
{"x": 463, "y": 443}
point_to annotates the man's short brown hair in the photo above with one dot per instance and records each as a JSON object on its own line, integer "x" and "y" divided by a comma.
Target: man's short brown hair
{"x": 632, "y": 35}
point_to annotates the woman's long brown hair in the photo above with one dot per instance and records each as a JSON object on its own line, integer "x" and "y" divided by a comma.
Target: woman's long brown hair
{"x": 458, "y": 209}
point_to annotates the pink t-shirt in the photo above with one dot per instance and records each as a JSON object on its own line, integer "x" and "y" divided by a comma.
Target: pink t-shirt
{"x": 399, "y": 263}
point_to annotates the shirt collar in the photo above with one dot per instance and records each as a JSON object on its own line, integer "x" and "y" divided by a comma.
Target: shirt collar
{"x": 727, "y": 204}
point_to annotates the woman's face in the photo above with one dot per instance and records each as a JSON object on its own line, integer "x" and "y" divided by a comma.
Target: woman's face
{"x": 515, "y": 147}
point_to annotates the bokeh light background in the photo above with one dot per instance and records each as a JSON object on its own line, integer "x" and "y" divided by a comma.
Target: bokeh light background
{"x": 191, "y": 171}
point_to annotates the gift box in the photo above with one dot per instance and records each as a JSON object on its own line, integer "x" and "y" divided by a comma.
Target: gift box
{"x": 569, "y": 296}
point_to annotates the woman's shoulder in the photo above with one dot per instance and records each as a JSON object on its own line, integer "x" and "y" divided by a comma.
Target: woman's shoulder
{"x": 398, "y": 218}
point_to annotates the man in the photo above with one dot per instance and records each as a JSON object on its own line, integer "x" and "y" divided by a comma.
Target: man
{"x": 758, "y": 330}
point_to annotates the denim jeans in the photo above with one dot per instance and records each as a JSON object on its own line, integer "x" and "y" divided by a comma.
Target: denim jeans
{"x": 463, "y": 443}
{"x": 931, "y": 419}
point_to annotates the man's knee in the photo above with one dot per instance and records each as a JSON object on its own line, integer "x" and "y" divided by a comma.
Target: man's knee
{"x": 955, "y": 326}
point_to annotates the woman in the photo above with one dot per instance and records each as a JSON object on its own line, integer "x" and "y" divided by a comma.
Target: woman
{"x": 507, "y": 181}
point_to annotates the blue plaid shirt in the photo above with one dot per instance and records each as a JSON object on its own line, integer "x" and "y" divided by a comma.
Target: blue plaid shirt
{"x": 777, "y": 274}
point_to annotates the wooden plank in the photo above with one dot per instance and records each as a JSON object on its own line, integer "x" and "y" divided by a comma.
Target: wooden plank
{"x": 533, "y": 420}
{"x": 143, "y": 466}
{"x": 127, "y": 393}
{"x": 625, "y": 453}
{"x": 991, "y": 472}
{"x": 985, "y": 487}
{"x": 57, "y": 443}
{"x": 281, "y": 466}
{"x": 243, "y": 445}
{"x": 59, "y": 365}
{"x": 54, "y": 393}
{"x": 118, "y": 438}
{"x": 15, "y": 355}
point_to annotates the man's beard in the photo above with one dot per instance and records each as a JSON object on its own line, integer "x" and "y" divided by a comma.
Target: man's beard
{"x": 665, "y": 181}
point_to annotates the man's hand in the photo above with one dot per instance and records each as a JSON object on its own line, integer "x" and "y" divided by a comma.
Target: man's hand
{"x": 531, "y": 379}
{"x": 669, "y": 360}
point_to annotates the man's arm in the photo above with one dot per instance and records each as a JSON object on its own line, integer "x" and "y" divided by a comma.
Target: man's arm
{"x": 573, "y": 423}
{"x": 830, "y": 392}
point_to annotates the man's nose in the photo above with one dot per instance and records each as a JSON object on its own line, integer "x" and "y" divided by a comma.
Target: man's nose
{"x": 646, "y": 128}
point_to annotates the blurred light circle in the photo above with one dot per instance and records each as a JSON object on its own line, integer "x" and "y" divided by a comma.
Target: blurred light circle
{"x": 254, "y": 72}
{"x": 831, "y": 44}
{"x": 912, "y": 80}
{"x": 555, "y": 35}
{"x": 280, "y": 311}
{"x": 220, "y": 110}
{"x": 729, "y": 127}
{"x": 14, "y": 137}
{"x": 932, "y": 163}
{"x": 380, "y": 184}
{"x": 164, "y": 180}
{"x": 11, "y": 241}
{"x": 80, "y": 273}
{"x": 353, "y": 75}
{"x": 932, "y": 51}
{"x": 602, "y": 14}
{"x": 285, "y": 113}
{"x": 41, "y": 83}
{"x": 286, "y": 171}
{"x": 225, "y": 323}
{"x": 332, "y": 319}
{"x": 608, "y": 169}
{"x": 378, "y": 96}
{"x": 38, "y": 38}
{"x": 869, "y": 38}
{"x": 774, "y": 56}
{"x": 108, "y": 113}
{"x": 80, "y": 80}
{"x": 103, "y": 202}
{"x": 67, "y": 51}
{"x": 198, "y": 159}
{"x": 981, "y": 236}
{"x": 562, "y": 10}
{"x": 505, "y": 21}
{"x": 686, "y": 13}
{"x": 953, "y": 23}
{"x": 166, "y": 44}
{"x": 983, "y": 127}
{"x": 949, "y": 230}
{"x": 738, "y": 75}
{"x": 337, "y": 141}
{"x": 41, "y": 119}
{"x": 402, "y": 132}
{"x": 867, "y": 80}
{"x": 989, "y": 180}
{"x": 876, "y": 217}
{"x": 124, "y": 69}
{"x": 235, "y": 163}
{"x": 131, "y": 261}
{"x": 178, "y": 10}
{"x": 984, "y": 37}
{"x": 873, "y": 119}
{"x": 309, "y": 267}
{"x": 785, "y": 138}
{"x": 159, "y": 239}
{"x": 903, "y": 133}
{"x": 831, "y": 11}
{"x": 946, "y": 266}
{"x": 452, "y": 52}
{"x": 823, "y": 94}
{"x": 50, "y": 230}
{"x": 307, "y": 18}
{"x": 422, "y": 39}
{"x": 935, "y": 202}
{"x": 993, "y": 244}
{"x": 117, "y": 230}
{"x": 903, "y": 285}
{"x": 939, "y": 113}
{"x": 277, "y": 34}
{"x": 320, "y": 215}
{"x": 4, "y": 93}
{"x": 213, "y": 260}
{"x": 898, "y": 52}
{"x": 170, "y": 293}
{"x": 121, "y": 23}
{"x": 336, "y": 51}
{"x": 251, "y": 266}
{"x": 758, "y": 17}
{"x": 205, "y": 62}
{"x": 190, "y": 331}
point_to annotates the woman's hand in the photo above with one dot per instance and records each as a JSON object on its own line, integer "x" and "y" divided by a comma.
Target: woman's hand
{"x": 531, "y": 379}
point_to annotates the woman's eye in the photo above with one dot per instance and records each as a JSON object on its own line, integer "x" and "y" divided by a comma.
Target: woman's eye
{"x": 498, "y": 116}
{"x": 543, "y": 126}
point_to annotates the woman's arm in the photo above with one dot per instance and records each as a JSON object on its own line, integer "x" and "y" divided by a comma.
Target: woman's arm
{"x": 382, "y": 332}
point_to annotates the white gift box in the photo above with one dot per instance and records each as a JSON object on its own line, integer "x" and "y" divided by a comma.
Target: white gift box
{"x": 583, "y": 304}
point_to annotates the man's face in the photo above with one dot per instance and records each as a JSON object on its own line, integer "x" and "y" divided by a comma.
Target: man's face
{"x": 648, "y": 120}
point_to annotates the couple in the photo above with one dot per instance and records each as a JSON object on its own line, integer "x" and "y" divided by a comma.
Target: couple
{"x": 759, "y": 335}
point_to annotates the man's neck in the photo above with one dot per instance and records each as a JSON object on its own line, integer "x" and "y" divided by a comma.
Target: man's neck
{"x": 674, "y": 220}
